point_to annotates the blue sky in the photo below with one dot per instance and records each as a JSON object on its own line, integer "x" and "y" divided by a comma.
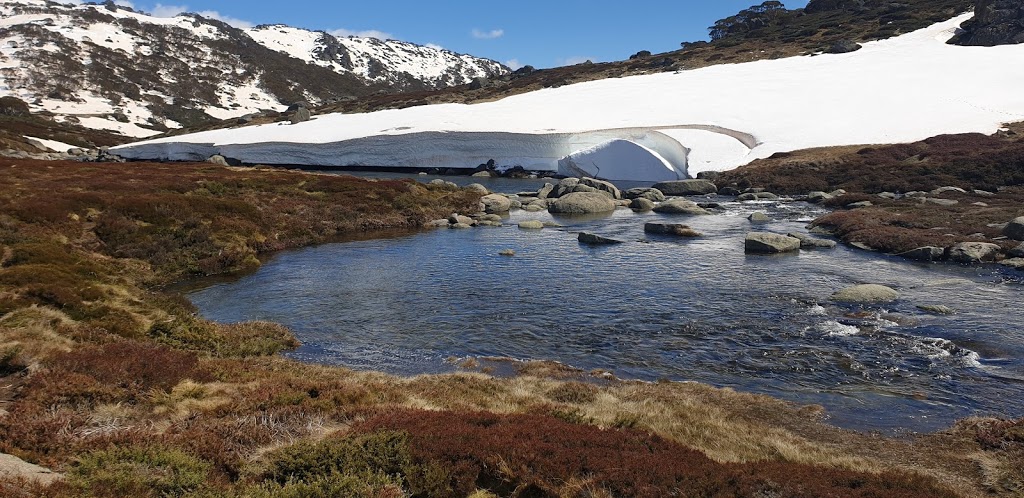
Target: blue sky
{"x": 540, "y": 33}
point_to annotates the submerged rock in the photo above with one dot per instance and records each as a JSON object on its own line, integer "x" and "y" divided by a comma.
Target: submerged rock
{"x": 770, "y": 243}
{"x": 596, "y": 240}
{"x": 937, "y": 309}
{"x": 507, "y": 252}
{"x": 867, "y": 293}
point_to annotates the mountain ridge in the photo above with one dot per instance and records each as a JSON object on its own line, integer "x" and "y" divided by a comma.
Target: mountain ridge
{"x": 109, "y": 67}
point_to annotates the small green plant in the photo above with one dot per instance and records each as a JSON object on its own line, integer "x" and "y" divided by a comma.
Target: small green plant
{"x": 145, "y": 471}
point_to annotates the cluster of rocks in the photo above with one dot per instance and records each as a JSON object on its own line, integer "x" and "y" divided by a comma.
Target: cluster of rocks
{"x": 978, "y": 252}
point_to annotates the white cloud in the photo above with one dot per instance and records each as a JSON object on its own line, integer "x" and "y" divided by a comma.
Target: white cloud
{"x": 369, "y": 33}
{"x": 161, "y": 10}
{"x": 514, "y": 64}
{"x": 487, "y": 35}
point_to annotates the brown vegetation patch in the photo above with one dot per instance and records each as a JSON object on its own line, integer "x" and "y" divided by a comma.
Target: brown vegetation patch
{"x": 900, "y": 226}
{"x": 969, "y": 161}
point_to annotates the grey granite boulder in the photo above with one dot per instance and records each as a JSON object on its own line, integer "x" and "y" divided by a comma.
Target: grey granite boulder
{"x": 770, "y": 243}
{"x": 582, "y": 203}
{"x": 687, "y": 187}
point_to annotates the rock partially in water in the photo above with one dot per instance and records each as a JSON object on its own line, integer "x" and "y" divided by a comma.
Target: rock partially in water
{"x": 1015, "y": 263}
{"x": 582, "y": 203}
{"x": 927, "y": 253}
{"x": 531, "y": 225}
{"x": 974, "y": 252}
{"x": 770, "y": 243}
{"x": 602, "y": 186}
{"x": 937, "y": 309}
{"x": 808, "y": 242}
{"x": 458, "y": 218}
{"x": 671, "y": 229}
{"x": 507, "y": 252}
{"x": 757, "y": 196}
{"x": 437, "y": 224}
{"x": 759, "y": 217}
{"x": 596, "y": 240}
{"x": 641, "y": 204}
{"x": 1017, "y": 252}
{"x": 652, "y": 194}
{"x": 865, "y": 294}
{"x": 818, "y": 197}
{"x": 496, "y": 203}
{"x": 1015, "y": 229}
{"x": 545, "y": 191}
{"x": 460, "y": 226}
{"x": 565, "y": 186}
{"x": 680, "y": 206}
{"x": 687, "y": 187}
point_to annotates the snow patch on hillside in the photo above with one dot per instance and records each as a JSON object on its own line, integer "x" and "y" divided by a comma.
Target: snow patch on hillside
{"x": 902, "y": 89}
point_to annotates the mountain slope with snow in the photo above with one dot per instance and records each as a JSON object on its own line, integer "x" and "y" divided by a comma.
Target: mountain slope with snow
{"x": 109, "y": 67}
{"x": 898, "y": 90}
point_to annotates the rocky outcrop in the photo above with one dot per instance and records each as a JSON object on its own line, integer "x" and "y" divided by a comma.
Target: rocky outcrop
{"x": 770, "y": 243}
{"x": 995, "y": 22}
{"x": 602, "y": 186}
{"x": 865, "y": 294}
{"x": 651, "y": 194}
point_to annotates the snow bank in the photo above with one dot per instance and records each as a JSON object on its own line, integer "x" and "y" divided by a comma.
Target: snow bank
{"x": 898, "y": 90}
{"x": 619, "y": 160}
{"x": 52, "y": 144}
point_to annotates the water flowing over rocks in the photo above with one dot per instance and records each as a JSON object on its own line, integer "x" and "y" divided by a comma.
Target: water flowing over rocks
{"x": 866, "y": 294}
{"x": 770, "y": 243}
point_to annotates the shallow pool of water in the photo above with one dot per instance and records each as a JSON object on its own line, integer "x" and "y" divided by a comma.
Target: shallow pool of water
{"x": 657, "y": 308}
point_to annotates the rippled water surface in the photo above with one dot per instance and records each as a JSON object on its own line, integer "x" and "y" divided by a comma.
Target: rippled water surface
{"x": 656, "y": 308}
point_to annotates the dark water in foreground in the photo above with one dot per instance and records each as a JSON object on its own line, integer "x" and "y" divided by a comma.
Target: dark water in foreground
{"x": 697, "y": 310}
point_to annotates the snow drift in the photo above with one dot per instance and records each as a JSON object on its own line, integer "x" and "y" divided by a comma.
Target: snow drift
{"x": 902, "y": 89}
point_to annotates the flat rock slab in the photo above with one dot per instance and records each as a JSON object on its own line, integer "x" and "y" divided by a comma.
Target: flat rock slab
{"x": 865, "y": 294}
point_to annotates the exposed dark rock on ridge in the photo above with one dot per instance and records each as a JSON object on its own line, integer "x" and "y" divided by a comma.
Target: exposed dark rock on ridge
{"x": 995, "y": 22}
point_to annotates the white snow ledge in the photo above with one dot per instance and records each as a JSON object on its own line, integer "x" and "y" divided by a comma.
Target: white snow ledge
{"x": 716, "y": 118}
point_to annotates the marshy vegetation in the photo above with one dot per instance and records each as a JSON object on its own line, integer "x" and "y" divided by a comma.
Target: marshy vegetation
{"x": 122, "y": 388}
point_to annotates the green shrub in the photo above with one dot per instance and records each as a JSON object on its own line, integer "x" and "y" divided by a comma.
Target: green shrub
{"x": 240, "y": 340}
{"x": 385, "y": 452}
{"x": 139, "y": 472}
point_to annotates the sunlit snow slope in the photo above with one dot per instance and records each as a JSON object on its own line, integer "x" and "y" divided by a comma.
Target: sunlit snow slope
{"x": 898, "y": 90}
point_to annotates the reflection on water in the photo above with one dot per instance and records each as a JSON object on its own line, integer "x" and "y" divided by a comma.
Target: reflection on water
{"x": 653, "y": 308}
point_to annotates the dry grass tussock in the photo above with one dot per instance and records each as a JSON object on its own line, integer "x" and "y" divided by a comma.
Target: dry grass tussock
{"x": 122, "y": 388}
